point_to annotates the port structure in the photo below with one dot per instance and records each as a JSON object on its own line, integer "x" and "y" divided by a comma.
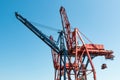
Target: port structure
{"x": 72, "y": 57}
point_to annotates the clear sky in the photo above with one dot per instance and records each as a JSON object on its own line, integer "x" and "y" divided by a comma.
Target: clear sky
{"x": 23, "y": 56}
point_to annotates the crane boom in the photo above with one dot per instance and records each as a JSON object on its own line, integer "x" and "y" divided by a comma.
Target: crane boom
{"x": 37, "y": 32}
{"x": 72, "y": 59}
{"x": 66, "y": 27}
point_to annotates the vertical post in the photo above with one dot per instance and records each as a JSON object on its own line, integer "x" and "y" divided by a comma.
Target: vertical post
{"x": 76, "y": 53}
{"x": 64, "y": 53}
{"x": 60, "y": 65}
{"x": 65, "y": 63}
{"x": 61, "y": 46}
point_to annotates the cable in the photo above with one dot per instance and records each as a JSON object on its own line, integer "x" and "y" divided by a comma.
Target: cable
{"x": 45, "y": 26}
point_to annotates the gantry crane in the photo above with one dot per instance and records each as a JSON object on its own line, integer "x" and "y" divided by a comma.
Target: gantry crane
{"x": 72, "y": 57}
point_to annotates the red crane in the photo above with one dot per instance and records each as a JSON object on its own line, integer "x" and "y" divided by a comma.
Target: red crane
{"x": 79, "y": 55}
{"x": 72, "y": 57}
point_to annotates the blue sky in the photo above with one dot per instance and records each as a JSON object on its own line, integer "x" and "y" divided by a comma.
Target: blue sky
{"x": 23, "y": 56}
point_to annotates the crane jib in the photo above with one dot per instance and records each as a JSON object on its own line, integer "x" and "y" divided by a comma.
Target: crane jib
{"x": 37, "y": 32}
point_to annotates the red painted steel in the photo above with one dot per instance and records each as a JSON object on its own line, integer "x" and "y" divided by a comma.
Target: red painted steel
{"x": 79, "y": 63}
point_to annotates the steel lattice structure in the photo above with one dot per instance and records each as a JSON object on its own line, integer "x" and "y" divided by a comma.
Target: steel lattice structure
{"x": 72, "y": 57}
{"x": 78, "y": 56}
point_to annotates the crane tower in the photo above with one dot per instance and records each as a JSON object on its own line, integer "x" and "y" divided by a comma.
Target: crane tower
{"x": 72, "y": 57}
